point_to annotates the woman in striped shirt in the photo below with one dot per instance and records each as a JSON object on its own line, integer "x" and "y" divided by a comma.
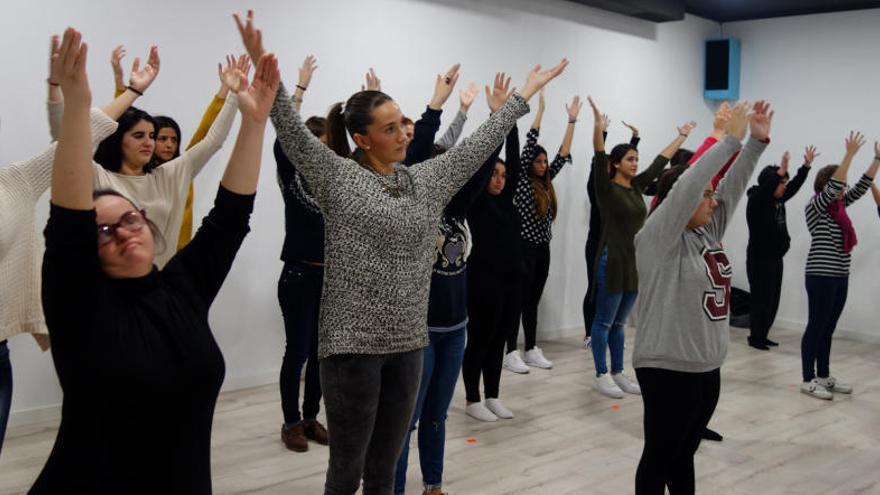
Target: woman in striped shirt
{"x": 827, "y": 272}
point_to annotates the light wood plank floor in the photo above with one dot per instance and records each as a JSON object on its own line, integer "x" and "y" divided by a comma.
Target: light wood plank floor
{"x": 568, "y": 439}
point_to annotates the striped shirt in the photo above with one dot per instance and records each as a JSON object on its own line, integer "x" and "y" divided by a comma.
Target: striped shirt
{"x": 826, "y": 255}
{"x": 535, "y": 229}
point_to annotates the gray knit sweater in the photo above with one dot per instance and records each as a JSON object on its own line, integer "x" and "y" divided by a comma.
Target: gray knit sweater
{"x": 378, "y": 248}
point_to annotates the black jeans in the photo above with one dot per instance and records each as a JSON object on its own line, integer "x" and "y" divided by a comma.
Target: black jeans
{"x": 537, "y": 257}
{"x": 590, "y": 252}
{"x": 299, "y": 294}
{"x": 369, "y": 400}
{"x": 493, "y": 314}
{"x": 678, "y": 406}
{"x": 826, "y": 297}
{"x": 5, "y": 389}
{"x": 765, "y": 283}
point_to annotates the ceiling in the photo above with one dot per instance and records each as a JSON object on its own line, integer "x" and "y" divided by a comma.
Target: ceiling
{"x": 725, "y": 10}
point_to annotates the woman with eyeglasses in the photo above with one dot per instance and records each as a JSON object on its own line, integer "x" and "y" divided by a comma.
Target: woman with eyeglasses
{"x": 135, "y": 356}
{"x": 619, "y": 190}
{"x": 684, "y": 301}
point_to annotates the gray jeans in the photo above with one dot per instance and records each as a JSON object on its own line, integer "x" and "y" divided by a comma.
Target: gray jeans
{"x": 369, "y": 402}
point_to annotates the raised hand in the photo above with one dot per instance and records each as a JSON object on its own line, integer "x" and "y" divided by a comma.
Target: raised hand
{"x": 373, "y": 82}
{"x": 141, "y": 78}
{"x": 738, "y": 120}
{"x": 574, "y": 109}
{"x": 467, "y": 96}
{"x": 634, "y": 129}
{"x": 250, "y": 35}
{"x": 443, "y": 87}
{"x": 783, "y": 165}
{"x": 69, "y": 67}
{"x": 541, "y": 103}
{"x": 229, "y": 75}
{"x": 854, "y": 142}
{"x": 722, "y": 115}
{"x": 500, "y": 92}
{"x": 810, "y": 154}
{"x": 54, "y": 47}
{"x": 538, "y": 78}
{"x": 600, "y": 119}
{"x": 685, "y": 129}
{"x": 255, "y": 100}
{"x": 760, "y": 120}
{"x": 310, "y": 64}
{"x": 116, "y": 64}
{"x": 606, "y": 122}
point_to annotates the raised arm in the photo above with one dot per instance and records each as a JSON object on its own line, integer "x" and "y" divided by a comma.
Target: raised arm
{"x": 600, "y": 127}
{"x": 512, "y": 166}
{"x": 794, "y": 185}
{"x": 733, "y": 186}
{"x": 451, "y": 170}
{"x": 573, "y": 110}
{"x": 645, "y": 178}
{"x": 683, "y": 132}
{"x": 426, "y": 128}
{"x": 306, "y": 70}
{"x": 876, "y": 191}
{"x": 539, "y": 114}
{"x": 634, "y": 139}
{"x": 453, "y": 132}
{"x": 667, "y": 222}
{"x": 242, "y": 63}
{"x": 116, "y": 64}
{"x": 867, "y": 180}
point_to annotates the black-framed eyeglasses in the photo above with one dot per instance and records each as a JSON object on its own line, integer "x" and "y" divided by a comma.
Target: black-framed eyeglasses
{"x": 132, "y": 221}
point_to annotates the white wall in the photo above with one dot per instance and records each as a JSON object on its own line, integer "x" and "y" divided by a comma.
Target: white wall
{"x": 820, "y": 73}
{"x": 650, "y": 74}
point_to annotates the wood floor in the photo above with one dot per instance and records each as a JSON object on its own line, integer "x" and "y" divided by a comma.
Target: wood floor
{"x": 566, "y": 438}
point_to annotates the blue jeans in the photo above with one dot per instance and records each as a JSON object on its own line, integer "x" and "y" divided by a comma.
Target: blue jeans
{"x": 612, "y": 309}
{"x": 440, "y": 367}
{"x": 826, "y": 297}
{"x": 5, "y": 389}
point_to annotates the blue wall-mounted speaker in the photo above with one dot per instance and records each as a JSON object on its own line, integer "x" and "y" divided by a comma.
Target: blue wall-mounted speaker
{"x": 722, "y": 69}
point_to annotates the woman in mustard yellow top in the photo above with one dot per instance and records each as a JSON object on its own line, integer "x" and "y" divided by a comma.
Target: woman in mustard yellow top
{"x": 168, "y": 133}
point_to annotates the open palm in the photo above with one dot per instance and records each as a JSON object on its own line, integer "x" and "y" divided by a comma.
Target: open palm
{"x": 255, "y": 99}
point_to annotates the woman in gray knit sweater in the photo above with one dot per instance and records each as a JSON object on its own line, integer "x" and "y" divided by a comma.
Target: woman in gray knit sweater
{"x": 380, "y": 224}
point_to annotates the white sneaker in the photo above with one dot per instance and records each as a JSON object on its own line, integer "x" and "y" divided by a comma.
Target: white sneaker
{"x": 606, "y": 386}
{"x": 535, "y": 357}
{"x": 588, "y": 343}
{"x": 514, "y": 363}
{"x": 498, "y": 409}
{"x": 478, "y": 411}
{"x": 627, "y": 385}
{"x": 814, "y": 388}
{"x": 832, "y": 385}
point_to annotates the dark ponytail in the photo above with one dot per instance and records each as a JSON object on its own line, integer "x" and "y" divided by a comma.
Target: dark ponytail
{"x": 353, "y": 118}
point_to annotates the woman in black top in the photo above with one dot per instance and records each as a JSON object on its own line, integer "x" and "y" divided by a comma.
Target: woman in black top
{"x": 136, "y": 359}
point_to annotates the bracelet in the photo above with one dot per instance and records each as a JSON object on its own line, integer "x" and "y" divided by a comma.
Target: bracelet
{"x": 52, "y": 83}
{"x": 136, "y": 91}
{"x": 572, "y": 121}
{"x": 682, "y": 135}
{"x": 301, "y": 87}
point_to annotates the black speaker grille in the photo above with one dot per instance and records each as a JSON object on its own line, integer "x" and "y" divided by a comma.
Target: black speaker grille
{"x": 717, "y": 64}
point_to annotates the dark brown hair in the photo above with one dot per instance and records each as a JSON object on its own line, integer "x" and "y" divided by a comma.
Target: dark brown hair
{"x": 542, "y": 188}
{"x": 617, "y": 155}
{"x": 353, "y": 118}
{"x": 823, "y": 176}
{"x": 317, "y": 125}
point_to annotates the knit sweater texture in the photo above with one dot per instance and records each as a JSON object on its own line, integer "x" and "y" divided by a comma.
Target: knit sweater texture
{"x": 379, "y": 248}
{"x": 22, "y": 184}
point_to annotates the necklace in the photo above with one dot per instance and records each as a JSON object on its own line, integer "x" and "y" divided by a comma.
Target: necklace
{"x": 390, "y": 184}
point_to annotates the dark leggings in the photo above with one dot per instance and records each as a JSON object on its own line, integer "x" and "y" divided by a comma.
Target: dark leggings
{"x": 826, "y": 297}
{"x": 537, "y": 258}
{"x": 678, "y": 406}
{"x": 299, "y": 294}
{"x": 369, "y": 401}
{"x": 765, "y": 282}
{"x": 493, "y": 314}
{"x": 590, "y": 253}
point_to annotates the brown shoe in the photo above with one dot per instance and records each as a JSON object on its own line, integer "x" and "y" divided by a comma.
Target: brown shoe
{"x": 294, "y": 438}
{"x": 316, "y": 432}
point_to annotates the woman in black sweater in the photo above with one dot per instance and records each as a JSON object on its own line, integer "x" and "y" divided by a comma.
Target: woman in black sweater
{"x": 136, "y": 359}
{"x": 769, "y": 241}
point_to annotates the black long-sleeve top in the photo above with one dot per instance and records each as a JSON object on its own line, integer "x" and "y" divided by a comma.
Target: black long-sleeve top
{"x": 303, "y": 220}
{"x": 765, "y": 215}
{"x": 447, "y": 303}
{"x": 136, "y": 359}
{"x": 495, "y": 223}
